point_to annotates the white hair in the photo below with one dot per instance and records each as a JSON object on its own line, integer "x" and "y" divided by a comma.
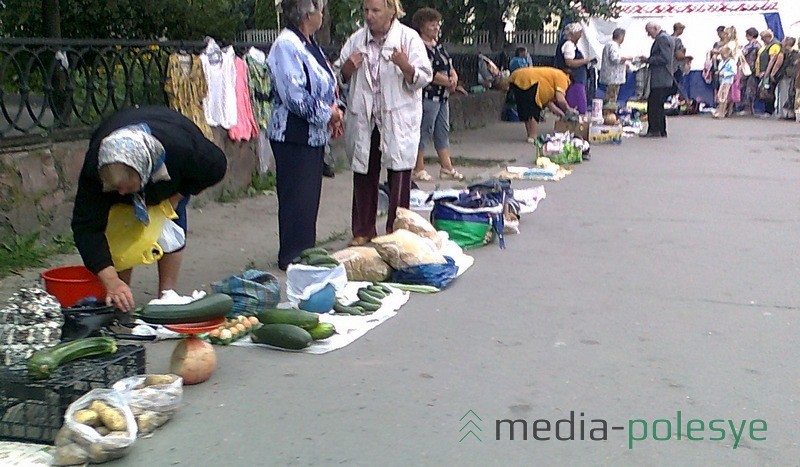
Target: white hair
{"x": 653, "y": 25}
{"x": 573, "y": 28}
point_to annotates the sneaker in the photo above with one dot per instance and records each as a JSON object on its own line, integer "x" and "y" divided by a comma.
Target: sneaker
{"x": 451, "y": 174}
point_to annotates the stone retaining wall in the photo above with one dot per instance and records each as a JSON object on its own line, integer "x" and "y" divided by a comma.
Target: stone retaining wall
{"x": 38, "y": 181}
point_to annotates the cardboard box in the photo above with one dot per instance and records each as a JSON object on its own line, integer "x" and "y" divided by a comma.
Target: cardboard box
{"x": 605, "y": 134}
{"x": 580, "y": 130}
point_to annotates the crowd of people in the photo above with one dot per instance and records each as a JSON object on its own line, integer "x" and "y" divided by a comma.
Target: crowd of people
{"x": 387, "y": 95}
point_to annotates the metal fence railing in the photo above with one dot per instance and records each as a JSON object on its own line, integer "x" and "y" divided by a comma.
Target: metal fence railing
{"x": 52, "y": 84}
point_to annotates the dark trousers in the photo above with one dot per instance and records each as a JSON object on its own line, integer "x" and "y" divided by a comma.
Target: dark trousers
{"x": 365, "y": 193}
{"x": 298, "y": 170}
{"x": 769, "y": 104}
{"x": 657, "y": 121}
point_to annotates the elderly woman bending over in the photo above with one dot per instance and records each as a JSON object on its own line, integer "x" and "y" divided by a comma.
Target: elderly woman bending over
{"x": 141, "y": 157}
{"x": 386, "y": 66}
{"x": 303, "y": 110}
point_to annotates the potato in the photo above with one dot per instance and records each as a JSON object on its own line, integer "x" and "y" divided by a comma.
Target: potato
{"x": 63, "y": 437}
{"x": 153, "y": 380}
{"x": 120, "y": 434}
{"x": 87, "y": 417}
{"x": 70, "y": 454}
{"x": 103, "y": 430}
{"x": 149, "y": 421}
{"x": 113, "y": 419}
{"x": 98, "y": 406}
{"x": 98, "y": 455}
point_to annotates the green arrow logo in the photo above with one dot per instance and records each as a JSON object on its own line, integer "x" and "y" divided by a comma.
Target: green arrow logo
{"x": 470, "y": 429}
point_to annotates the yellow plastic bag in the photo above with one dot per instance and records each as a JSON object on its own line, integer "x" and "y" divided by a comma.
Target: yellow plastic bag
{"x": 131, "y": 242}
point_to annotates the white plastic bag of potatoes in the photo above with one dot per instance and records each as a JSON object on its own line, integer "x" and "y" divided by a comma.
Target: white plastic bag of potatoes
{"x": 414, "y": 223}
{"x": 98, "y": 427}
{"x": 363, "y": 263}
{"x": 402, "y": 249}
{"x": 153, "y": 399}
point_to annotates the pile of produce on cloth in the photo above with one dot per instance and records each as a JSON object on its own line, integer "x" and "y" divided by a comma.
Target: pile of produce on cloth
{"x": 290, "y": 329}
{"x": 232, "y": 330}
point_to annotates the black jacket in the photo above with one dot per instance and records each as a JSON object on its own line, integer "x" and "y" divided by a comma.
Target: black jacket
{"x": 662, "y": 54}
{"x": 194, "y": 163}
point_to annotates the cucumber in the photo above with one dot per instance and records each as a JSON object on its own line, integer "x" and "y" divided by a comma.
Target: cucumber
{"x": 313, "y": 252}
{"x": 297, "y": 260}
{"x": 300, "y": 318}
{"x": 385, "y": 289}
{"x": 377, "y": 292}
{"x": 367, "y": 306}
{"x": 322, "y": 331}
{"x": 365, "y": 296}
{"x": 285, "y": 336}
{"x": 44, "y": 361}
{"x": 321, "y": 260}
{"x": 205, "y": 309}
{"x": 348, "y": 310}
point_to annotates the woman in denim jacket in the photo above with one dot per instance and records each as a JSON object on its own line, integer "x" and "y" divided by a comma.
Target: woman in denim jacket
{"x": 303, "y": 112}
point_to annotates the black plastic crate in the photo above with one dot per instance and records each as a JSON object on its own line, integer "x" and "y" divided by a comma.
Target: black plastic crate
{"x": 34, "y": 410}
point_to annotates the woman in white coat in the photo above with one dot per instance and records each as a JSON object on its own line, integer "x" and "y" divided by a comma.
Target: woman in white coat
{"x": 386, "y": 66}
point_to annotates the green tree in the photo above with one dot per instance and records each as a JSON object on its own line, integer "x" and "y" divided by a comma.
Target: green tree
{"x": 266, "y": 15}
{"x": 128, "y": 19}
{"x": 455, "y": 16}
{"x": 534, "y": 14}
{"x": 346, "y": 18}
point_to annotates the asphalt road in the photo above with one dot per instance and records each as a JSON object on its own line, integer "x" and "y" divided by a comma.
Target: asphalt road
{"x": 659, "y": 277}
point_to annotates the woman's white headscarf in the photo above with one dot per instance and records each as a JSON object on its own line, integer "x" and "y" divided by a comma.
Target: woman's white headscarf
{"x": 135, "y": 147}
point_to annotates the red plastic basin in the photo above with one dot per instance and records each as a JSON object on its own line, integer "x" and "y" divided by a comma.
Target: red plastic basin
{"x": 69, "y": 284}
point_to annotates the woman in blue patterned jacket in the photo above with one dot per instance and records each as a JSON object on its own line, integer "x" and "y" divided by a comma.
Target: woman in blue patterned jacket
{"x": 303, "y": 113}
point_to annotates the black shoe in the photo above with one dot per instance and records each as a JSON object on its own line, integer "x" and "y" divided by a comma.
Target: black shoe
{"x": 327, "y": 171}
{"x": 586, "y": 156}
{"x": 652, "y": 135}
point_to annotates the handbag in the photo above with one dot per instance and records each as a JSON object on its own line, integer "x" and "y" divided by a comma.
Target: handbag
{"x": 765, "y": 91}
{"x": 744, "y": 66}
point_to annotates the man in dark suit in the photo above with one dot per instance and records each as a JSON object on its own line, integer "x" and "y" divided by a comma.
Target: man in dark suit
{"x": 662, "y": 54}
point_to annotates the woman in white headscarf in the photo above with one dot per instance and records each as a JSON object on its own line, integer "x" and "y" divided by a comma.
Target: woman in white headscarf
{"x": 142, "y": 157}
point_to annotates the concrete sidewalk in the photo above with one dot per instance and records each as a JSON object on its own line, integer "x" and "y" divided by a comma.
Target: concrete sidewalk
{"x": 225, "y": 238}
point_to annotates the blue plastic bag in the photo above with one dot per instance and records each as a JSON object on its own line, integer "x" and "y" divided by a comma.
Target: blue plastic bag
{"x": 252, "y": 292}
{"x": 436, "y": 275}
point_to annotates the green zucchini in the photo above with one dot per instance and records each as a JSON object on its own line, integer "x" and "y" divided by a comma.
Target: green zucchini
{"x": 300, "y": 318}
{"x": 365, "y": 296}
{"x": 347, "y": 310}
{"x": 44, "y": 361}
{"x": 205, "y": 309}
{"x": 313, "y": 252}
{"x": 285, "y": 336}
{"x": 367, "y": 306}
{"x": 321, "y": 260}
{"x": 322, "y": 331}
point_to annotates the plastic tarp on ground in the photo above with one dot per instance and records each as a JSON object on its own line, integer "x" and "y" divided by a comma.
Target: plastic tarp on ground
{"x": 701, "y": 18}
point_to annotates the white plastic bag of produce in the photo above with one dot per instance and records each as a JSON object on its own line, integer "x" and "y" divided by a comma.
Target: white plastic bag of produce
{"x": 363, "y": 263}
{"x": 414, "y": 223}
{"x": 402, "y": 249}
{"x": 153, "y": 398}
{"x": 98, "y": 427}
{"x": 303, "y": 281}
